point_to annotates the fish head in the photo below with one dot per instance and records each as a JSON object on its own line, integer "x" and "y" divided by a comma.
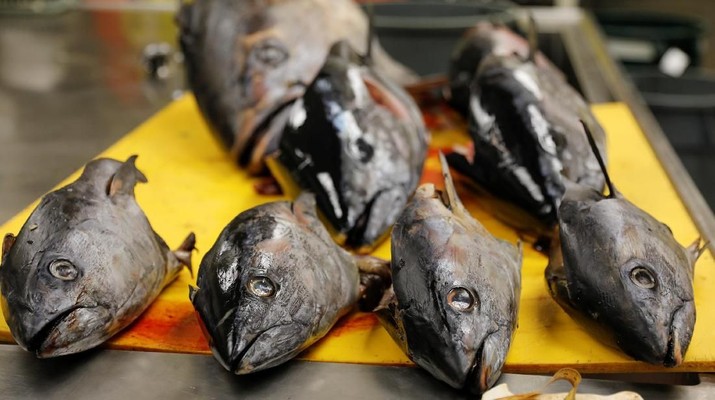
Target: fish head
{"x": 626, "y": 270}
{"x": 358, "y": 143}
{"x": 255, "y": 296}
{"x": 457, "y": 291}
{"x": 61, "y": 288}
{"x": 67, "y": 280}
{"x": 247, "y": 60}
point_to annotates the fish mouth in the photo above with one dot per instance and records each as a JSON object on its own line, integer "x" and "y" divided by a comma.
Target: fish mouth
{"x": 237, "y": 365}
{"x": 679, "y": 335}
{"x": 483, "y": 372}
{"x": 233, "y": 356}
{"x": 258, "y": 131}
{"x": 241, "y": 364}
{"x": 65, "y": 334}
{"x": 36, "y": 343}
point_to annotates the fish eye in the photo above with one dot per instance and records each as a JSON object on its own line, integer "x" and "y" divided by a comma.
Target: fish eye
{"x": 271, "y": 52}
{"x": 460, "y": 299}
{"x": 63, "y": 270}
{"x": 642, "y": 277}
{"x": 261, "y": 286}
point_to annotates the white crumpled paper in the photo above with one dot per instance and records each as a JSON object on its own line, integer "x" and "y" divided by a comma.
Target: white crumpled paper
{"x": 502, "y": 391}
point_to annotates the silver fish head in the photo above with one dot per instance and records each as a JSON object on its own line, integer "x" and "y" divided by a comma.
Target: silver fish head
{"x": 50, "y": 307}
{"x": 246, "y": 61}
{"x": 63, "y": 277}
{"x": 267, "y": 289}
{"x": 457, "y": 290}
{"x": 626, "y": 270}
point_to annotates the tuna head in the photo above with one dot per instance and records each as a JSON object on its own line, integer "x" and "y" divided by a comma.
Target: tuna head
{"x": 272, "y": 284}
{"x": 456, "y": 290}
{"x": 69, "y": 275}
{"x": 246, "y": 60}
{"x": 626, "y": 271}
{"x": 356, "y": 141}
{"x": 623, "y": 269}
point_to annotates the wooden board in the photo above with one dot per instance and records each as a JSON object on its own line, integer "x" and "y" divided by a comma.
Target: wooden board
{"x": 193, "y": 186}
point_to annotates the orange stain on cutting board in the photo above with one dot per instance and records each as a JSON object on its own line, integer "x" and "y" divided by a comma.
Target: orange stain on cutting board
{"x": 166, "y": 326}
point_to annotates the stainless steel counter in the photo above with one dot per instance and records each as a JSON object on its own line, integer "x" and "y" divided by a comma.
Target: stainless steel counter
{"x": 72, "y": 84}
{"x": 122, "y": 375}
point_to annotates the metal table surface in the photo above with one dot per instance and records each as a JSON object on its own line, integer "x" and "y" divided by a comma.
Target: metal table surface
{"x": 72, "y": 84}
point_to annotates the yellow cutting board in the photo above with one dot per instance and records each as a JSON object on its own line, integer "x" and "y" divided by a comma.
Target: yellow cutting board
{"x": 194, "y": 186}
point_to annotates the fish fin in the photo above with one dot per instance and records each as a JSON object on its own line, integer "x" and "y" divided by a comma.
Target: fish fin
{"x": 192, "y": 292}
{"x": 452, "y": 201}
{"x": 7, "y": 243}
{"x": 126, "y": 177}
{"x": 612, "y": 192}
{"x": 555, "y": 272}
{"x": 304, "y": 205}
{"x": 183, "y": 253}
{"x": 374, "y": 265}
{"x": 695, "y": 250}
{"x": 370, "y": 33}
{"x": 533, "y": 38}
{"x": 375, "y": 279}
{"x": 520, "y": 251}
{"x": 387, "y": 313}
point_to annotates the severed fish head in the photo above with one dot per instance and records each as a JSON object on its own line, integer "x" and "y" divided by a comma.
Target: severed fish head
{"x": 623, "y": 269}
{"x": 246, "y": 61}
{"x": 456, "y": 290}
{"x": 68, "y": 273}
{"x": 358, "y": 142}
{"x": 272, "y": 284}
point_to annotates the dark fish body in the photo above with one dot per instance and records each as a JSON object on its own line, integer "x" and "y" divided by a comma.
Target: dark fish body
{"x": 272, "y": 284}
{"x": 524, "y": 121}
{"x": 456, "y": 290}
{"x": 85, "y": 264}
{"x": 247, "y": 60}
{"x": 622, "y": 270}
{"x": 356, "y": 141}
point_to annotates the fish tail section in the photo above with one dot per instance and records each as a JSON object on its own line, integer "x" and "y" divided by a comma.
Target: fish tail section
{"x": 183, "y": 253}
{"x": 125, "y": 179}
{"x": 375, "y": 279}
